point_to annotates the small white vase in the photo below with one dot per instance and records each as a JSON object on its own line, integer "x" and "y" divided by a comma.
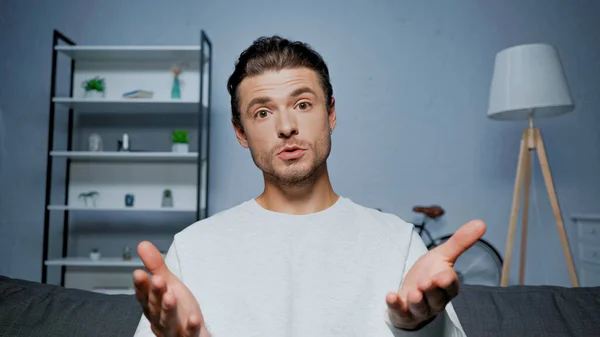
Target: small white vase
{"x": 180, "y": 148}
{"x": 95, "y": 143}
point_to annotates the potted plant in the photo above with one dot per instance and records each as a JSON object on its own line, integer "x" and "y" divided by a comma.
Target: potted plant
{"x": 180, "y": 141}
{"x": 95, "y": 254}
{"x": 94, "y": 88}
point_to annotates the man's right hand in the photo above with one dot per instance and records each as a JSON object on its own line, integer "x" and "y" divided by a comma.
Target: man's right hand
{"x": 168, "y": 304}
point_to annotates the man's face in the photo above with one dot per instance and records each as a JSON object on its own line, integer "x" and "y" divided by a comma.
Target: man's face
{"x": 286, "y": 124}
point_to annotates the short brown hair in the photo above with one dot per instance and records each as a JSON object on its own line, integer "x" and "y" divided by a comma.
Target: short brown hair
{"x": 275, "y": 53}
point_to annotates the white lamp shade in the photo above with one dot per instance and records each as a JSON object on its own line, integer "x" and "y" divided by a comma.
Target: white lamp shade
{"x": 528, "y": 80}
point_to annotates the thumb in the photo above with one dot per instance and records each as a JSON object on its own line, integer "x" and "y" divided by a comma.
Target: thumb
{"x": 152, "y": 259}
{"x": 461, "y": 240}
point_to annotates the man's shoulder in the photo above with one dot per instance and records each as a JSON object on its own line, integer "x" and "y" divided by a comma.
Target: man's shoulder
{"x": 391, "y": 226}
{"x": 386, "y": 219}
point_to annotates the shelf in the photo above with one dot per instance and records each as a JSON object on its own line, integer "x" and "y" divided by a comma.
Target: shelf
{"x": 146, "y": 173}
{"x": 117, "y": 209}
{"x": 131, "y": 53}
{"x": 586, "y": 216}
{"x": 128, "y": 105}
{"x": 106, "y": 156}
{"x": 102, "y": 262}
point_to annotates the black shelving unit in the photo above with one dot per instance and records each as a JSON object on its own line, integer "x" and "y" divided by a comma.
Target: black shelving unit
{"x": 203, "y": 108}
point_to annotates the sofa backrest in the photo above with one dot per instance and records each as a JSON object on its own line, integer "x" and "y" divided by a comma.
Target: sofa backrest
{"x": 529, "y": 311}
{"x": 34, "y": 309}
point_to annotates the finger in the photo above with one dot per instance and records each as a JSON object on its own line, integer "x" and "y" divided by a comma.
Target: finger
{"x": 435, "y": 296}
{"x": 157, "y": 331}
{"x": 193, "y": 326}
{"x": 397, "y": 309}
{"x": 157, "y": 290}
{"x": 394, "y": 302}
{"x": 425, "y": 284}
{"x": 397, "y": 305}
{"x": 152, "y": 258}
{"x": 436, "y": 299}
{"x": 168, "y": 313}
{"x": 142, "y": 286}
{"x": 448, "y": 282}
{"x": 418, "y": 306}
{"x": 463, "y": 239}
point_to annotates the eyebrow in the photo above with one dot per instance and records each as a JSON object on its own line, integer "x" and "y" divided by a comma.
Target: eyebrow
{"x": 258, "y": 100}
{"x": 301, "y": 91}
{"x": 265, "y": 100}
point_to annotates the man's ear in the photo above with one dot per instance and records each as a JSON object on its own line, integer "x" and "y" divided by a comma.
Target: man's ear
{"x": 331, "y": 115}
{"x": 239, "y": 133}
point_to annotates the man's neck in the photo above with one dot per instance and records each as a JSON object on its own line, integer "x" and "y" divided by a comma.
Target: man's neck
{"x": 306, "y": 198}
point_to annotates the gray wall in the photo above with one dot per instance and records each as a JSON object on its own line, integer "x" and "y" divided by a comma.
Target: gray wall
{"x": 411, "y": 81}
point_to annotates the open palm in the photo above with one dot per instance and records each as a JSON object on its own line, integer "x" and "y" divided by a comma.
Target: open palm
{"x": 168, "y": 304}
{"x": 431, "y": 282}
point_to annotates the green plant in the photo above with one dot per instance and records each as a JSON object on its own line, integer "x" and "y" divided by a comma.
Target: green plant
{"x": 95, "y": 83}
{"x": 180, "y": 137}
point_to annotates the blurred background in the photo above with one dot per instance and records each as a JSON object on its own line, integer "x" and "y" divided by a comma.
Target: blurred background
{"x": 411, "y": 81}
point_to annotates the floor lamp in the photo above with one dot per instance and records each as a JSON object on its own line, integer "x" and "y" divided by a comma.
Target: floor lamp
{"x": 529, "y": 82}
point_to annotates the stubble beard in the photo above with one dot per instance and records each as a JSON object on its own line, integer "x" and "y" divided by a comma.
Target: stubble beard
{"x": 297, "y": 172}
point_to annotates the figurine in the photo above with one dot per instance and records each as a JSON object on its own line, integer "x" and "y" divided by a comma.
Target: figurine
{"x": 167, "y": 200}
{"x": 124, "y": 145}
{"x": 126, "y": 253}
{"x": 86, "y": 195}
{"x": 129, "y": 198}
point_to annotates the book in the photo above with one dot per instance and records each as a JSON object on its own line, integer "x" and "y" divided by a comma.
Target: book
{"x": 138, "y": 94}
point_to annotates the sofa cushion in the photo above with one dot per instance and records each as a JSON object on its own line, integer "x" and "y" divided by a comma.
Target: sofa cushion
{"x": 33, "y": 309}
{"x": 529, "y": 311}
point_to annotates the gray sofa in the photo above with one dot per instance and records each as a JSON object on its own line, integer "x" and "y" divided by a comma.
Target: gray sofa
{"x": 33, "y": 309}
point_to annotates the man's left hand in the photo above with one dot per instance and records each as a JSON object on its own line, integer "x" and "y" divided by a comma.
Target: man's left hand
{"x": 431, "y": 282}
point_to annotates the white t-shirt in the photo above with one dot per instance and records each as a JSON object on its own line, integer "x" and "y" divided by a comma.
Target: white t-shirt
{"x": 257, "y": 272}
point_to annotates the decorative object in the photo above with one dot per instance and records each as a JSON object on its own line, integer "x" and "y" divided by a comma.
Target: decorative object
{"x": 94, "y": 88}
{"x": 86, "y": 195}
{"x": 126, "y": 253}
{"x": 180, "y": 141}
{"x": 176, "y": 90}
{"x": 138, "y": 94}
{"x": 123, "y": 145}
{"x": 129, "y": 199}
{"x": 95, "y": 143}
{"x": 167, "y": 199}
{"x": 95, "y": 254}
{"x": 529, "y": 81}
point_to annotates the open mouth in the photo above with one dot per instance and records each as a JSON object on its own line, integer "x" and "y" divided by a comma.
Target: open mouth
{"x": 291, "y": 153}
{"x": 291, "y": 149}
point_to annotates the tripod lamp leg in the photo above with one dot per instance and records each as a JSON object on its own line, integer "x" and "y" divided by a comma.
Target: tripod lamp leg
{"x": 514, "y": 213}
{"x": 555, "y": 207}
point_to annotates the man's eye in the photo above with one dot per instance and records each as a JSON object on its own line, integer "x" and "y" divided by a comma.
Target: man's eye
{"x": 262, "y": 113}
{"x": 303, "y": 105}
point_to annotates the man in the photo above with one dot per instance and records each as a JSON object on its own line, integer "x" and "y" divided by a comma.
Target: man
{"x": 297, "y": 260}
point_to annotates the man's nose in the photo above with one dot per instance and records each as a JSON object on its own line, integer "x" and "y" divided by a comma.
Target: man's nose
{"x": 288, "y": 125}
